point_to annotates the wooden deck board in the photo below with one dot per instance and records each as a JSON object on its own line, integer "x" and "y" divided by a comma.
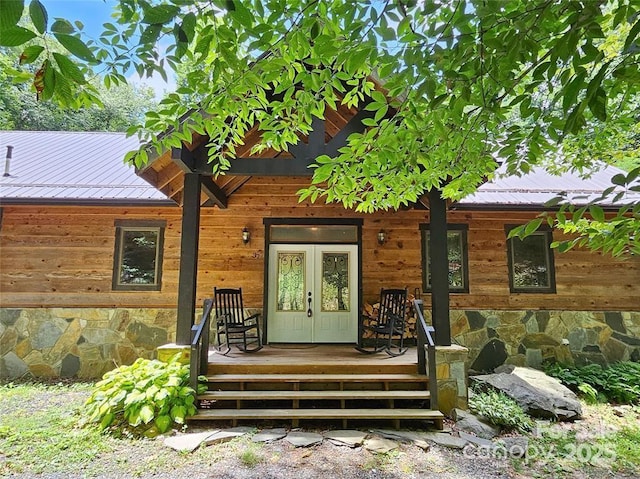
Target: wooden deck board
{"x": 310, "y": 358}
{"x": 321, "y": 394}
{"x": 217, "y": 414}
{"x": 318, "y": 378}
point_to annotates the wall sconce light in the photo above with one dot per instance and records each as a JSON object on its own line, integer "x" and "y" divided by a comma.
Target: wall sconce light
{"x": 246, "y": 236}
{"x": 382, "y": 237}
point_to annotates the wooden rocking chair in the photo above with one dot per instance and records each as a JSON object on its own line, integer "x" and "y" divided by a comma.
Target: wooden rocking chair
{"x": 388, "y": 329}
{"x": 231, "y": 325}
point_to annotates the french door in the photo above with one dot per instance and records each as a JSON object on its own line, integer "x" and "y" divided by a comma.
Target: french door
{"x": 312, "y": 293}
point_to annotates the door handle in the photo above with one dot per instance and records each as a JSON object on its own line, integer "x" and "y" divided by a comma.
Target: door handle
{"x": 309, "y": 312}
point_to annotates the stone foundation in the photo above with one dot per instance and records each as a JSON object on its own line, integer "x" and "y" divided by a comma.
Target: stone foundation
{"x": 79, "y": 342}
{"x": 451, "y": 373}
{"x": 529, "y": 338}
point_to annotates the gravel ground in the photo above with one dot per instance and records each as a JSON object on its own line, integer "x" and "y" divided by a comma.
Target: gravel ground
{"x": 242, "y": 459}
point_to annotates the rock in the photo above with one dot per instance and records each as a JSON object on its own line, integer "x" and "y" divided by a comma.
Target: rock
{"x": 380, "y": 445}
{"x": 478, "y": 441}
{"x": 269, "y": 435}
{"x": 349, "y": 438}
{"x": 465, "y": 421}
{"x": 187, "y": 442}
{"x": 222, "y": 436}
{"x": 11, "y": 366}
{"x": 539, "y": 395}
{"x": 446, "y": 440}
{"x": 516, "y": 446}
{"x": 622, "y": 410}
{"x": 303, "y": 439}
{"x": 492, "y": 355}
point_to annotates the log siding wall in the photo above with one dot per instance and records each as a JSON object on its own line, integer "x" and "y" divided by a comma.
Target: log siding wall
{"x": 62, "y": 256}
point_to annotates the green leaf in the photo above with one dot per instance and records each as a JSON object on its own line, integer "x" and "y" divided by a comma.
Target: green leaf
{"x": 10, "y": 14}
{"x": 106, "y": 421}
{"x": 146, "y": 414}
{"x": 619, "y": 179}
{"x": 75, "y": 46}
{"x": 598, "y": 104}
{"x": 532, "y": 226}
{"x": 69, "y": 69}
{"x": 15, "y": 36}
{"x": 163, "y": 423}
{"x": 241, "y": 13}
{"x": 31, "y": 54}
{"x": 160, "y": 14}
{"x": 62, "y": 26}
{"x": 633, "y": 33}
{"x": 38, "y": 15}
{"x": 178, "y": 413}
{"x": 189, "y": 25}
{"x": 597, "y": 213}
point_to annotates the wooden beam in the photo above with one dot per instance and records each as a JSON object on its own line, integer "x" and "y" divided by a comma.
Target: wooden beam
{"x": 354, "y": 125}
{"x": 189, "y": 239}
{"x": 213, "y": 191}
{"x": 186, "y": 160}
{"x": 439, "y": 268}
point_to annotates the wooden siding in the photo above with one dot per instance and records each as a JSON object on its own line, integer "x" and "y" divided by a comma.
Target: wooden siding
{"x": 63, "y": 256}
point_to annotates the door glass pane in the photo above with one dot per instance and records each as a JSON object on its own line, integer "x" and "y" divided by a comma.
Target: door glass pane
{"x": 335, "y": 281}
{"x": 291, "y": 281}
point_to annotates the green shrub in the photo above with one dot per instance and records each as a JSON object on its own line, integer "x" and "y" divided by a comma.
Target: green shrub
{"x": 146, "y": 398}
{"x": 500, "y": 410}
{"x": 618, "y": 383}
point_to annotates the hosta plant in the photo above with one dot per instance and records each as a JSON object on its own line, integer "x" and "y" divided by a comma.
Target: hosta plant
{"x": 146, "y": 398}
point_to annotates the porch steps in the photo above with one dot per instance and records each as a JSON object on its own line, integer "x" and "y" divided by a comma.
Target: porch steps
{"x": 326, "y": 395}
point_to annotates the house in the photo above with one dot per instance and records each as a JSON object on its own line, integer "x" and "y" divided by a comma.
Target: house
{"x": 90, "y": 261}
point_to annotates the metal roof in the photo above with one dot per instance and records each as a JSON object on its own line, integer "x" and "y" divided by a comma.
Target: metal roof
{"x": 538, "y": 186}
{"x": 60, "y": 166}
{"x": 77, "y": 167}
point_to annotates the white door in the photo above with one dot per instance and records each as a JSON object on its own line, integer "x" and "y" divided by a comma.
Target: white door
{"x": 313, "y": 294}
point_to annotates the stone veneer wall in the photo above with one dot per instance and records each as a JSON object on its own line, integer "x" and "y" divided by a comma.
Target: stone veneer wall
{"x": 79, "y": 342}
{"x": 528, "y": 338}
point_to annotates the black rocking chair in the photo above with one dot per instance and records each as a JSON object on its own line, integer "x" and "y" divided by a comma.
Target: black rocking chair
{"x": 231, "y": 325}
{"x": 388, "y": 329}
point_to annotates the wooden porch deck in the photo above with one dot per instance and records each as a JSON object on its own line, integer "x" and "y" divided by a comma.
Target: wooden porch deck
{"x": 311, "y": 359}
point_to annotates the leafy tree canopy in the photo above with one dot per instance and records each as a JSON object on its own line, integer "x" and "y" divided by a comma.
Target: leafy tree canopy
{"x": 463, "y": 84}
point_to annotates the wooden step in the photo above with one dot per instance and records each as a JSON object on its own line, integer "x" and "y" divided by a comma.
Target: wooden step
{"x": 317, "y": 378}
{"x": 324, "y": 395}
{"x": 312, "y": 368}
{"x": 258, "y": 414}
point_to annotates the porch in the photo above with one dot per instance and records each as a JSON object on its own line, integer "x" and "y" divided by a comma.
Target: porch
{"x": 314, "y": 381}
{"x": 294, "y": 382}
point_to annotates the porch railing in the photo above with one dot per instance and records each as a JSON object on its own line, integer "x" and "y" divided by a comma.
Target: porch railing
{"x": 199, "y": 359}
{"x": 426, "y": 351}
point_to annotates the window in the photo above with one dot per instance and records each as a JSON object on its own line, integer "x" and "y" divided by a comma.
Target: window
{"x": 457, "y": 254}
{"x": 138, "y": 255}
{"x": 531, "y": 268}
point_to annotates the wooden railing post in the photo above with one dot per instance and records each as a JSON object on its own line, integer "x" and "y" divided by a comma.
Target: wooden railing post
{"x": 426, "y": 352}
{"x": 200, "y": 345}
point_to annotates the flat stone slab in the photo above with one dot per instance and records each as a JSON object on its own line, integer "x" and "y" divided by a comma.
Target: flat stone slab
{"x": 478, "y": 441}
{"x": 304, "y": 439}
{"x": 188, "y": 442}
{"x": 417, "y": 438}
{"x": 380, "y": 445}
{"x": 446, "y": 440}
{"x": 269, "y": 435}
{"x": 346, "y": 437}
{"x": 222, "y": 436}
{"x": 468, "y": 422}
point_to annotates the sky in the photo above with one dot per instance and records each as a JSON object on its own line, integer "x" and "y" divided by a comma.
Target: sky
{"x": 93, "y": 13}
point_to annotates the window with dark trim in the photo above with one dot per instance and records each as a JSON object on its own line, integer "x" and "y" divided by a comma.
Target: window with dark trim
{"x": 137, "y": 260}
{"x": 457, "y": 254}
{"x": 531, "y": 266}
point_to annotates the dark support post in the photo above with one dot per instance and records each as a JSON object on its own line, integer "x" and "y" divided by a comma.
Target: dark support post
{"x": 188, "y": 257}
{"x": 439, "y": 268}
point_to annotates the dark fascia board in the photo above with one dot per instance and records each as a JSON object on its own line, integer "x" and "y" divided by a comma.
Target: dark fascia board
{"x": 84, "y": 202}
